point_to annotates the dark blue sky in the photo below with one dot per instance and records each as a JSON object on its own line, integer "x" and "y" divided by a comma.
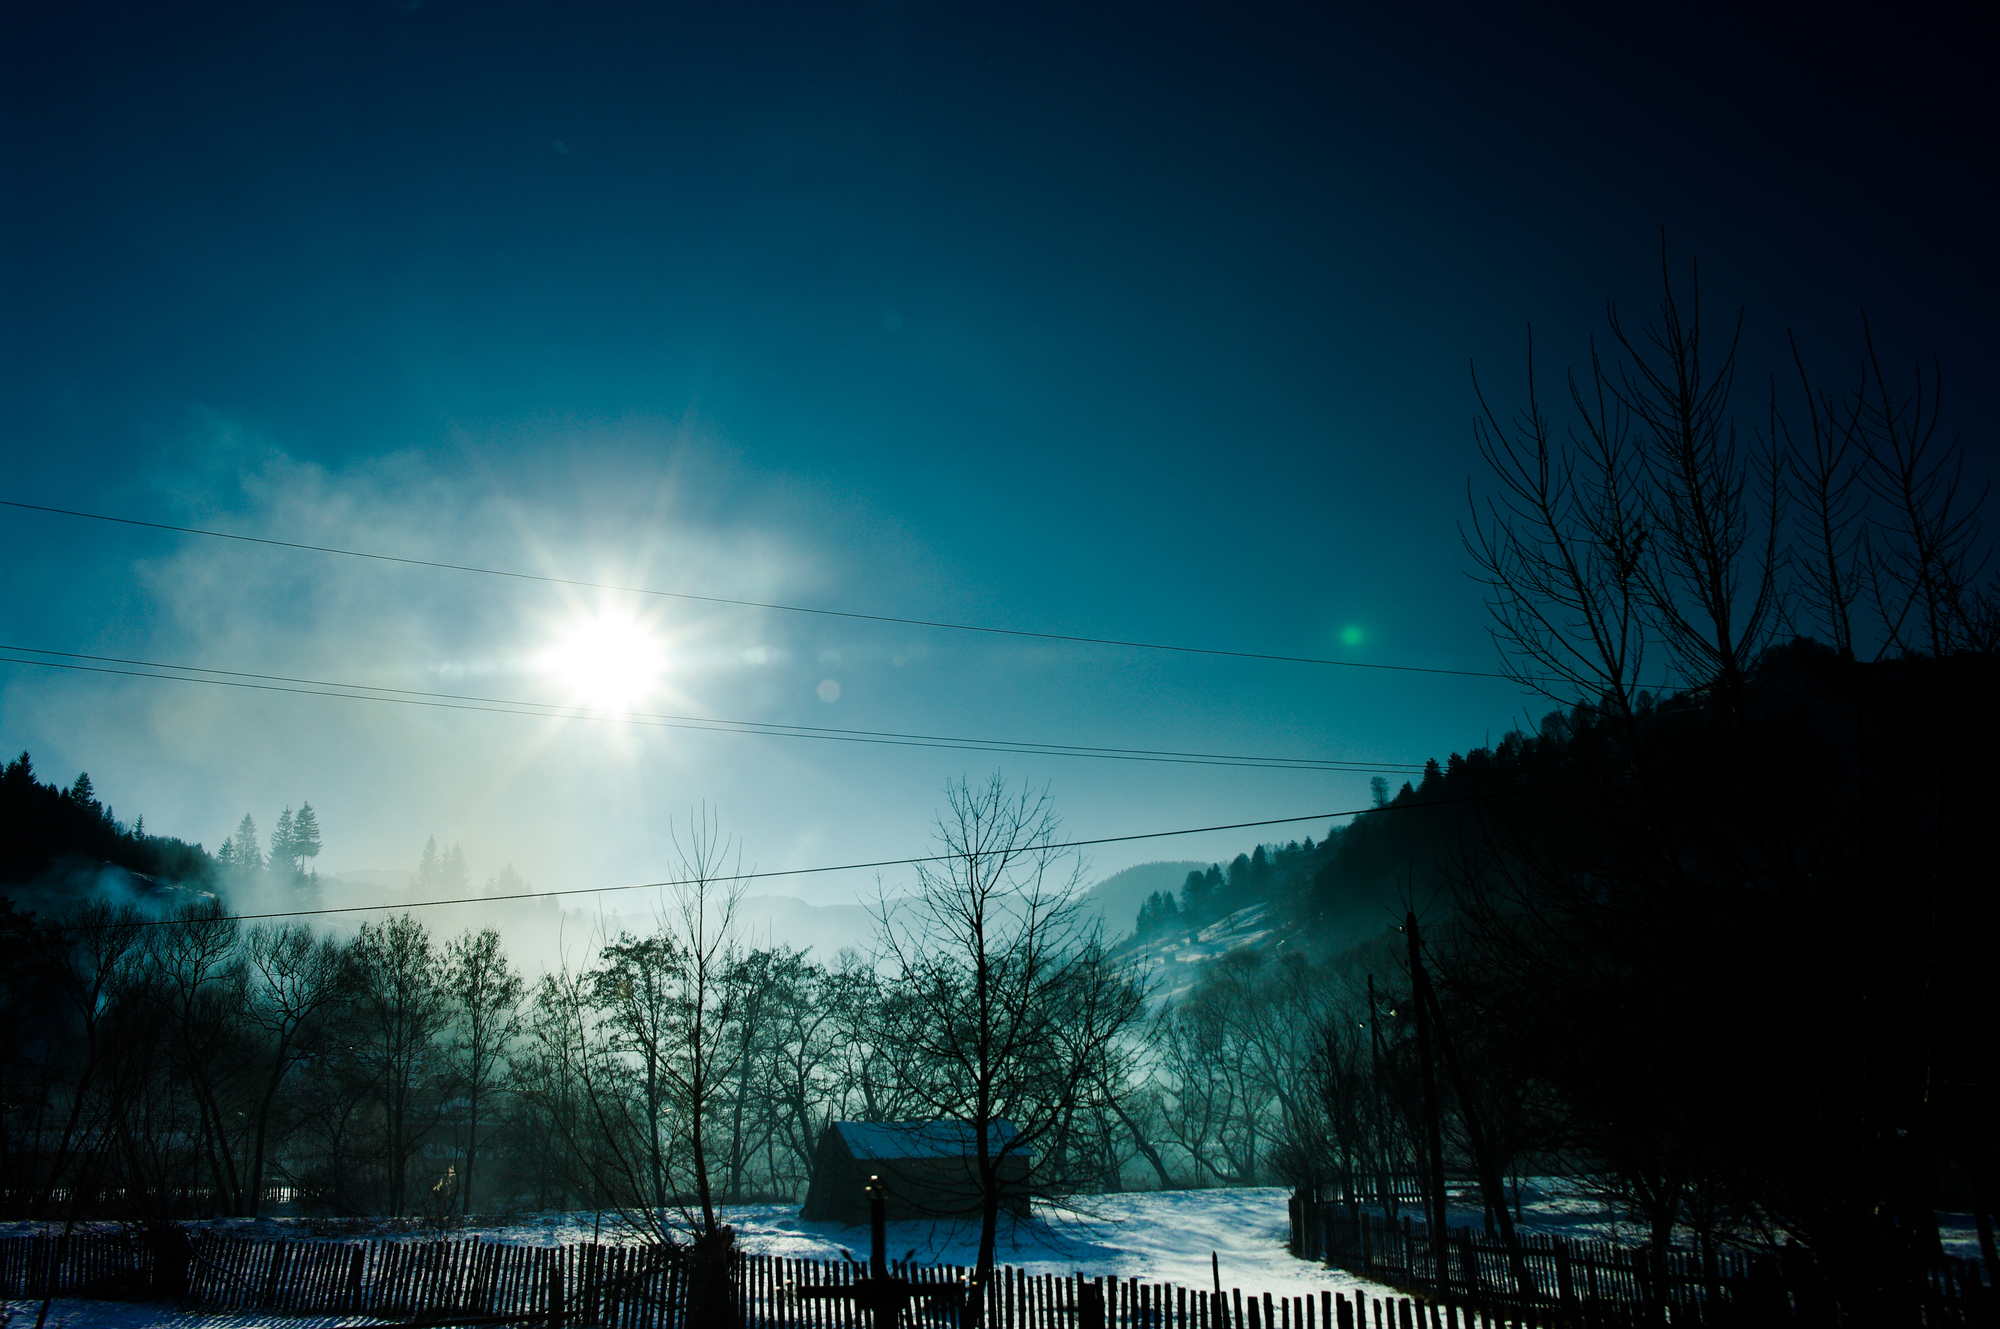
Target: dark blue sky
{"x": 1147, "y": 322}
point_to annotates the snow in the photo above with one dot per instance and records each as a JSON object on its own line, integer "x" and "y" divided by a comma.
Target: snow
{"x": 72, "y": 1313}
{"x": 1154, "y": 1236}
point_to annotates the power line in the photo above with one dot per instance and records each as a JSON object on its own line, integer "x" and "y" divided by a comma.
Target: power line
{"x": 761, "y": 604}
{"x": 312, "y": 687}
{"x": 1052, "y": 847}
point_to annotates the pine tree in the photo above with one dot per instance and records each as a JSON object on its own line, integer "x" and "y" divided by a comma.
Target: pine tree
{"x": 453, "y": 879}
{"x": 1194, "y": 894}
{"x": 1157, "y": 914}
{"x": 249, "y": 856}
{"x": 282, "y": 852}
{"x": 240, "y": 855}
{"x": 429, "y": 866}
{"x": 305, "y": 834}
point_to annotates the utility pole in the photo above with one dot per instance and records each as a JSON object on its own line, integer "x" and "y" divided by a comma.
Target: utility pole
{"x": 1433, "y": 1125}
{"x": 1483, "y": 1154}
{"x": 1385, "y": 1165}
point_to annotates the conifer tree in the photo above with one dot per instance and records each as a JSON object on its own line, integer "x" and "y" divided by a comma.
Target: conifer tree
{"x": 241, "y": 852}
{"x": 305, "y": 835}
{"x": 453, "y": 879}
{"x": 1194, "y": 893}
{"x": 430, "y": 866}
{"x": 281, "y": 842}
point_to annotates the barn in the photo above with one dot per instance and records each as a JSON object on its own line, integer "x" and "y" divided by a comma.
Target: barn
{"x": 929, "y": 1169}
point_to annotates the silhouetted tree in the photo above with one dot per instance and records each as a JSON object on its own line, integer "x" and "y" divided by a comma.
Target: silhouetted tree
{"x": 983, "y": 963}
{"x": 485, "y": 995}
{"x": 403, "y": 1013}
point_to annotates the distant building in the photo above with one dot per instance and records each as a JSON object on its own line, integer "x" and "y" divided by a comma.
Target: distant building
{"x": 929, "y": 1169}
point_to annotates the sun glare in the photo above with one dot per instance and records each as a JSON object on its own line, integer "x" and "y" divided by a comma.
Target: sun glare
{"x": 609, "y": 662}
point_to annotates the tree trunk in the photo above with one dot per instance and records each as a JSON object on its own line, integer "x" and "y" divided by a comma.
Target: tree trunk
{"x": 1433, "y": 1126}
{"x": 1145, "y": 1146}
{"x": 471, "y": 1146}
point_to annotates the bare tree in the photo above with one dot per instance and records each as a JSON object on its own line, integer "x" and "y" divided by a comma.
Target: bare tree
{"x": 199, "y": 978}
{"x": 404, "y": 1015}
{"x": 485, "y": 995}
{"x": 1710, "y": 569}
{"x": 295, "y": 976}
{"x": 699, "y": 923}
{"x": 96, "y": 966}
{"x": 983, "y": 961}
{"x": 1929, "y": 556}
{"x": 635, "y": 991}
{"x": 1211, "y": 1107}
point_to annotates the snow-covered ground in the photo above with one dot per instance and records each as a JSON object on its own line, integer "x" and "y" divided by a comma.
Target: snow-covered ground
{"x": 72, "y": 1314}
{"x": 1561, "y": 1207}
{"x": 1155, "y": 1236}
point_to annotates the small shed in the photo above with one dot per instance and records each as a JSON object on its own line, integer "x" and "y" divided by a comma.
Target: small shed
{"x": 929, "y": 1169}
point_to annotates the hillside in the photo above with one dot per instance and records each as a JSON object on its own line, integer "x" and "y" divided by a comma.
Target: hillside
{"x": 1117, "y": 898}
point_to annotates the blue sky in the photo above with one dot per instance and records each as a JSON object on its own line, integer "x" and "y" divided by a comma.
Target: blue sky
{"x": 1131, "y": 322}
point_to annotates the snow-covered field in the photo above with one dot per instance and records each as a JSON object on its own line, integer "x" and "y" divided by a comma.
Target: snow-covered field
{"x": 1156, "y": 1236}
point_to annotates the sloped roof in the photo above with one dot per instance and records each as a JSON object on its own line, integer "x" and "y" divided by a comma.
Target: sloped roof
{"x": 919, "y": 1139}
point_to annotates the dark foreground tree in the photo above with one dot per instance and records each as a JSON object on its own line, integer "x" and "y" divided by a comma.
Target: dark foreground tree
{"x": 999, "y": 985}
{"x": 1725, "y": 940}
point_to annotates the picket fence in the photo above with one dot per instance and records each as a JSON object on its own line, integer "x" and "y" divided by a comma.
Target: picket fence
{"x": 645, "y": 1287}
{"x": 1603, "y": 1281}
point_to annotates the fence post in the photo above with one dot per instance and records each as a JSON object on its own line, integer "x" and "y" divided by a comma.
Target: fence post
{"x": 274, "y": 1274}
{"x": 1565, "y": 1284}
{"x": 1090, "y": 1305}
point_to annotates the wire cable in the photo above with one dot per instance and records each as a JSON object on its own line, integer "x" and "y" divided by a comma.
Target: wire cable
{"x": 313, "y": 687}
{"x": 721, "y": 878}
{"x": 1074, "y": 639}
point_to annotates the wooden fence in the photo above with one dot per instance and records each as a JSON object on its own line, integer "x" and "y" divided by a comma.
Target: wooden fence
{"x": 1569, "y": 1278}
{"x": 645, "y": 1287}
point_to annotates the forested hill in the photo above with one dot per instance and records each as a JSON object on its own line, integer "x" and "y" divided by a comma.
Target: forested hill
{"x": 1815, "y": 721}
{"x": 47, "y": 831}
{"x": 1338, "y": 892}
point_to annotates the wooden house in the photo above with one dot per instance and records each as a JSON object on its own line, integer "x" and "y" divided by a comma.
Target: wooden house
{"x": 929, "y": 1169}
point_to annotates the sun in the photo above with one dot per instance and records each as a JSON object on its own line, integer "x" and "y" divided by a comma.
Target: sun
{"x": 609, "y": 661}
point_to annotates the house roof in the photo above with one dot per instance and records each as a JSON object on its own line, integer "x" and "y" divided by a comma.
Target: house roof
{"x": 919, "y": 1139}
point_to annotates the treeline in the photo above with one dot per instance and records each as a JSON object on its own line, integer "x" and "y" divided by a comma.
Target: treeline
{"x": 1267, "y": 872}
{"x": 46, "y": 830}
{"x": 198, "y": 1063}
{"x": 160, "y": 1068}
